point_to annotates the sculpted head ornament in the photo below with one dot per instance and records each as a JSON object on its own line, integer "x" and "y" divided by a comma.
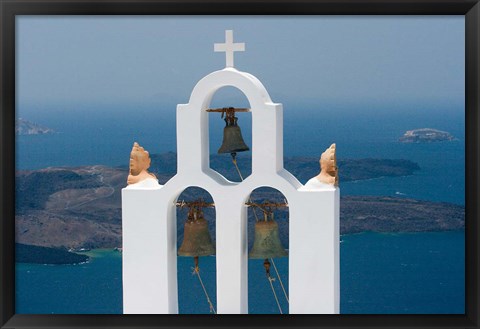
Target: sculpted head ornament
{"x": 328, "y": 165}
{"x": 139, "y": 163}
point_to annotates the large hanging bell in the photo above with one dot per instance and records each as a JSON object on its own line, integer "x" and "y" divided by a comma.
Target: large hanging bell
{"x": 196, "y": 238}
{"x": 267, "y": 243}
{"x": 232, "y": 138}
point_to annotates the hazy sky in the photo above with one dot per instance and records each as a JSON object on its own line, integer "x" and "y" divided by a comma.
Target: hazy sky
{"x": 308, "y": 59}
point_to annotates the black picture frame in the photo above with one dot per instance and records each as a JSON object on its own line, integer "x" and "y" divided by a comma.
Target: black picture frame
{"x": 10, "y": 8}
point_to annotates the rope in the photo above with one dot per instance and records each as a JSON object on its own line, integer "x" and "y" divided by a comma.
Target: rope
{"x": 234, "y": 160}
{"x": 270, "y": 279}
{"x": 280, "y": 280}
{"x": 212, "y": 309}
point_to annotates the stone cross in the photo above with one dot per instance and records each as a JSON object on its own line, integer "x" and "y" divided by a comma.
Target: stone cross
{"x": 229, "y": 47}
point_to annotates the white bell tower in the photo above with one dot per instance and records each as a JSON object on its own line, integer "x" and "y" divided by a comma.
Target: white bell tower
{"x": 149, "y": 212}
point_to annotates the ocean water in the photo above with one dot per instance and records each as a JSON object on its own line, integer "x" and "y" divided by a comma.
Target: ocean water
{"x": 90, "y": 138}
{"x": 416, "y": 273}
{"x": 380, "y": 273}
{"x": 93, "y": 287}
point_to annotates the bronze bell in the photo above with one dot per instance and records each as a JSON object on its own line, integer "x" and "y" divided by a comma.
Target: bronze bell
{"x": 196, "y": 238}
{"x": 266, "y": 243}
{"x": 232, "y": 137}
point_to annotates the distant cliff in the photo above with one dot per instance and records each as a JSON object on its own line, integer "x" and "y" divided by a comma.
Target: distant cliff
{"x": 81, "y": 207}
{"x": 24, "y": 127}
{"x": 425, "y": 135}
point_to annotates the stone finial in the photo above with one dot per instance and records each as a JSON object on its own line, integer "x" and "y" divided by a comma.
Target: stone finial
{"x": 328, "y": 167}
{"x": 139, "y": 163}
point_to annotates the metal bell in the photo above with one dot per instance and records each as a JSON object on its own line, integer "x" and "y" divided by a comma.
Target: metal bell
{"x": 267, "y": 243}
{"x": 232, "y": 138}
{"x": 196, "y": 238}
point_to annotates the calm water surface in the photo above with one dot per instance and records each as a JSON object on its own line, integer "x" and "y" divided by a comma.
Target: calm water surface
{"x": 380, "y": 273}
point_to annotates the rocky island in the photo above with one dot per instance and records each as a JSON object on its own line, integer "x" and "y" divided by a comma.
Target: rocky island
{"x": 24, "y": 127}
{"x": 425, "y": 135}
{"x": 43, "y": 255}
{"x": 80, "y": 207}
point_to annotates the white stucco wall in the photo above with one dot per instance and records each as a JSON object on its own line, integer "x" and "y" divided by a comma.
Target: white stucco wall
{"x": 149, "y": 214}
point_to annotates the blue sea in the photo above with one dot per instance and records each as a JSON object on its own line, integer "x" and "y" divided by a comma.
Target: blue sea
{"x": 408, "y": 273}
{"x": 416, "y": 273}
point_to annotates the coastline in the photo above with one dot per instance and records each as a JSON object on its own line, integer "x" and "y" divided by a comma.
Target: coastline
{"x": 30, "y": 254}
{"x": 98, "y": 253}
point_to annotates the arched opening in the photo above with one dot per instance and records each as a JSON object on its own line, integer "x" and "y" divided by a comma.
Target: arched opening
{"x": 196, "y": 263}
{"x": 224, "y": 139}
{"x": 268, "y": 239}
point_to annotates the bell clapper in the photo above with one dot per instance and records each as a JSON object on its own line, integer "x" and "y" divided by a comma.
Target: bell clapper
{"x": 197, "y": 269}
{"x": 266, "y": 264}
